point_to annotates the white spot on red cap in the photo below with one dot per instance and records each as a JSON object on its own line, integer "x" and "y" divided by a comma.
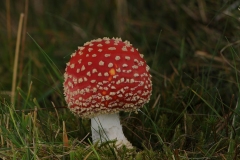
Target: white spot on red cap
{"x": 72, "y": 66}
{"x": 94, "y": 70}
{"x": 104, "y": 82}
{"x": 129, "y": 71}
{"x": 93, "y": 81}
{"x": 124, "y": 65}
{"x": 80, "y": 80}
{"x": 120, "y": 95}
{"x": 81, "y": 48}
{"x": 83, "y": 68}
{"x": 117, "y": 58}
{"x": 139, "y": 91}
{"x": 136, "y": 75}
{"x": 112, "y": 48}
{"x": 141, "y": 83}
{"x": 106, "y": 38}
{"x": 107, "y": 55}
{"x": 99, "y": 50}
{"x": 106, "y": 74}
{"x": 87, "y": 43}
{"x": 107, "y": 97}
{"x": 141, "y": 63}
{"x": 75, "y": 80}
{"x": 127, "y": 43}
{"x": 110, "y": 65}
{"x": 70, "y": 84}
{"x": 118, "y": 69}
{"x": 74, "y": 54}
{"x": 89, "y": 73}
{"x": 147, "y": 68}
{"x": 98, "y": 40}
{"x": 80, "y": 53}
{"x": 65, "y": 75}
{"x": 94, "y": 90}
{"x": 101, "y": 63}
{"x": 127, "y": 58}
{"x": 135, "y": 67}
{"x": 112, "y": 93}
{"x": 94, "y": 55}
{"x": 90, "y": 49}
{"x": 124, "y": 48}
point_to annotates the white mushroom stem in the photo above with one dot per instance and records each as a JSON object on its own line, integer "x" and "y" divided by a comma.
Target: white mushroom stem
{"x": 107, "y": 127}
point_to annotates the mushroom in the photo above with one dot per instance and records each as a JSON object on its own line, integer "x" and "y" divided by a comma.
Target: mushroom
{"x": 103, "y": 77}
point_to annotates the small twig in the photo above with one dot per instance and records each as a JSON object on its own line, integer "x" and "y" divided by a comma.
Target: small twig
{"x": 8, "y": 20}
{"x": 65, "y": 137}
{"x": 23, "y": 44}
{"x": 1, "y": 136}
{"x": 56, "y": 112}
{"x": 7, "y": 127}
{"x": 174, "y": 68}
{"x": 202, "y": 6}
{"x": 156, "y": 101}
{"x": 228, "y": 11}
{"x": 205, "y": 55}
{"x": 221, "y": 53}
{"x": 14, "y": 80}
{"x": 35, "y": 116}
{"x": 121, "y": 16}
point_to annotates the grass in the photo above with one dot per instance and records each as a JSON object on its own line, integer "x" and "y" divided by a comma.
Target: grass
{"x": 191, "y": 46}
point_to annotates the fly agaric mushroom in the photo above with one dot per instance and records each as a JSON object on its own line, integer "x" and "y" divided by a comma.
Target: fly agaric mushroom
{"x": 103, "y": 77}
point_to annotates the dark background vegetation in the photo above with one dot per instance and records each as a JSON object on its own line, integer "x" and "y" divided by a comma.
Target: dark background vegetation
{"x": 191, "y": 47}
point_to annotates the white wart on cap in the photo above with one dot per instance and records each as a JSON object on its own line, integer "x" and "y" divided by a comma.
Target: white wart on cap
{"x": 106, "y": 76}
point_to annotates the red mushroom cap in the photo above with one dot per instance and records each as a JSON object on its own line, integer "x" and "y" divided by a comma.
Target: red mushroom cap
{"x": 106, "y": 76}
